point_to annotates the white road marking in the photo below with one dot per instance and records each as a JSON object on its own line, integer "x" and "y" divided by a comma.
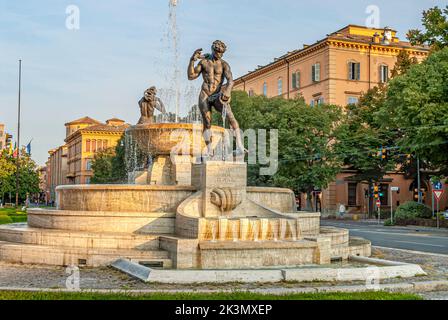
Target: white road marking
{"x": 421, "y": 244}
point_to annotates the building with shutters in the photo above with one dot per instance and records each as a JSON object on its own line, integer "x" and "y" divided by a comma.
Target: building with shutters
{"x": 338, "y": 70}
{"x": 71, "y": 163}
{"x": 84, "y": 142}
{"x": 335, "y": 70}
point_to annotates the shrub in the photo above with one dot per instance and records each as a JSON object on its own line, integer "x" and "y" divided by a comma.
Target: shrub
{"x": 388, "y": 223}
{"x": 412, "y": 210}
{"x": 5, "y": 219}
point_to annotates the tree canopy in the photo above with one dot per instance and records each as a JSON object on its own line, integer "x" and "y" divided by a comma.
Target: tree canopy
{"x": 435, "y": 35}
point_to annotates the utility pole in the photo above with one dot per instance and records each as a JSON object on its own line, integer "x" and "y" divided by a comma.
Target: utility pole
{"x": 419, "y": 187}
{"x": 18, "y": 135}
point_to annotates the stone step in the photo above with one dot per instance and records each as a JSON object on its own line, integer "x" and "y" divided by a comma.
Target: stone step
{"x": 21, "y": 233}
{"x": 98, "y": 221}
{"x": 64, "y": 256}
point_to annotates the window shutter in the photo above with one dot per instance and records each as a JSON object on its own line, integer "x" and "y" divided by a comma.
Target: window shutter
{"x": 313, "y": 73}
{"x": 294, "y": 80}
{"x": 317, "y": 71}
{"x": 350, "y": 70}
{"x": 298, "y": 80}
{"x": 358, "y": 71}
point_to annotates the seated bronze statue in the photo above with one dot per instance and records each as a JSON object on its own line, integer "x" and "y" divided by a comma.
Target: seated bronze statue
{"x": 148, "y": 104}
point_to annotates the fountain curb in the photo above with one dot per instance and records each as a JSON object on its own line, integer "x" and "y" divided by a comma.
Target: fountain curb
{"x": 387, "y": 271}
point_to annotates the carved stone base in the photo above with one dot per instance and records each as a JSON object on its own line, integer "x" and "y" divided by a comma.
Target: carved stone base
{"x": 165, "y": 172}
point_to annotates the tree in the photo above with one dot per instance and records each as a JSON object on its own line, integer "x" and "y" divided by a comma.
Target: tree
{"x": 7, "y": 169}
{"x": 364, "y": 145}
{"x": 102, "y": 167}
{"x": 417, "y": 107}
{"x": 307, "y": 160}
{"x": 403, "y": 63}
{"x": 28, "y": 175}
{"x": 435, "y": 21}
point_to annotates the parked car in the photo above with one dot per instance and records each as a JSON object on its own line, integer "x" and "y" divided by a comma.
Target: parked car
{"x": 445, "y": 214}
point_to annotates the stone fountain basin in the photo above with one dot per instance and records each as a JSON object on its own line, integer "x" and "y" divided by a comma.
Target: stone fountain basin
{"x": 162, "y": 138}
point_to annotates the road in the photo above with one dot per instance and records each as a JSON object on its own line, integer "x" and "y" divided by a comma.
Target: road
{"x": 409, "y": 238}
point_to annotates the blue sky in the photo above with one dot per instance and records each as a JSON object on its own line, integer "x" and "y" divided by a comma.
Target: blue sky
{"x": 121, "y": 49}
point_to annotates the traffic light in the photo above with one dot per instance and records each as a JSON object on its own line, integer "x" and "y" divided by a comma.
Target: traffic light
{"x": 380, "y": 191}
{"x": 376, "y": 190}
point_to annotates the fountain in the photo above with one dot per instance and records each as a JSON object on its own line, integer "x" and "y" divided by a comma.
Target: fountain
{"x": 184, "y": 207}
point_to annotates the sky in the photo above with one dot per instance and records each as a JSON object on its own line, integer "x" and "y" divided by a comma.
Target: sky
{"x": 122, "y": 47}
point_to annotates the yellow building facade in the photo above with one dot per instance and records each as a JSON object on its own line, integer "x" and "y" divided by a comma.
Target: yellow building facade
{"x": 71, "y": 162}
{"x": 336, "y": 70}
{"x": 56, "y": 171}
{"x": 86, "y": 137}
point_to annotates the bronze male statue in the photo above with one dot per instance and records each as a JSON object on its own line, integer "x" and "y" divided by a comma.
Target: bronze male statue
{"x": 214, "y": 93}
{"x": 148, "y": 104}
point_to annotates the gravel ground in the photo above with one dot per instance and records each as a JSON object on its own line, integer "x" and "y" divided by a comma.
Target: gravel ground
{"x": 31, "y": 276}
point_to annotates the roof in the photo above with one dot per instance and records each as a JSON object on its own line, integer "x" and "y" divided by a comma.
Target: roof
{"x": 350, "y": 33}
{"x": 84, "y": 120}
{"x": 104, "y": 128}
{"x": 115, "y": 120}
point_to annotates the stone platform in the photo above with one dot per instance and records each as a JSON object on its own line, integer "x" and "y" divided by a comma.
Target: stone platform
{"x": 215, "y": 223}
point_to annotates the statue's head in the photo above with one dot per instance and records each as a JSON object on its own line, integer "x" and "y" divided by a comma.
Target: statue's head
{"x": 218, "y": 49}
{"x": 150, "y": 93}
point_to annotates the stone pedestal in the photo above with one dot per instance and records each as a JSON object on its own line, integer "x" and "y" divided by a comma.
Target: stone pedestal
{"x": 223, "y": 186}
{"x": 167, "y": 170}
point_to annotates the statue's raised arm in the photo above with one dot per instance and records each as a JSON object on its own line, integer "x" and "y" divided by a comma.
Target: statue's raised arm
{"x": 216, "y": 89}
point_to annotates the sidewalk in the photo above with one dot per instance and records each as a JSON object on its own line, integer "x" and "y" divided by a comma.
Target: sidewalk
{"x": 374, "y": 222}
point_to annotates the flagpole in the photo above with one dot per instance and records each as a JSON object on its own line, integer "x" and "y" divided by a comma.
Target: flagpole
{"x": 18, "y": 135}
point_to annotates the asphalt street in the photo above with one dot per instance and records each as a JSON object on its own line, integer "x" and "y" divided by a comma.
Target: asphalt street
{"x": 408, "y": 238}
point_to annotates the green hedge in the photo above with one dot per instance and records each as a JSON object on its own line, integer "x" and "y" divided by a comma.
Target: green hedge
{"x": 412, "y": 210}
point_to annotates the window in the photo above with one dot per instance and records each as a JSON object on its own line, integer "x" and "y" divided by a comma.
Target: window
{"x": 251, "y": 92}
{"x": 88, "y": 164}
{"x": 320, "y": 101}
{"x": 315, "y": 72}
{"x": 352, "y": 100}
{"x": 352, "y": 196}
{"x": 312, "y": 103}
{"x": 384, "y": 73}
{"x": 88, "y": 180}
{"x": 385, "y": 193}
{"x": 280, "y": 86}
{"x": 354, "y": 71}
{"x": 265, "y": 89}
{"x": 93, "y": 145}
{"x": 88, "y": 145}
{"x": 104, "y": 144}
{"x": 296, "y": 80}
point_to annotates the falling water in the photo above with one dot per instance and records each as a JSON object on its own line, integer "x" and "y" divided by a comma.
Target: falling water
{"x": 213, "y": 231}
{"x": 235, "y": 230}
{"x": 174, "y": 32}
{"x": 292, "y": 228}
{"x": 282, "y": 228}
{"x": 255, "y": 229}
{"x": 131, "y": 160}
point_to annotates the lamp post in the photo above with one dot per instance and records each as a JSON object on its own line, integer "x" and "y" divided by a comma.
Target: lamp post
{"x": 18, "y": 135}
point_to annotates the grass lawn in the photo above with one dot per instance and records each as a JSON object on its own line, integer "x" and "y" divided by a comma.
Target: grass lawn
{"x": 12, "y": 215}
{"x": 19, "y": 295}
